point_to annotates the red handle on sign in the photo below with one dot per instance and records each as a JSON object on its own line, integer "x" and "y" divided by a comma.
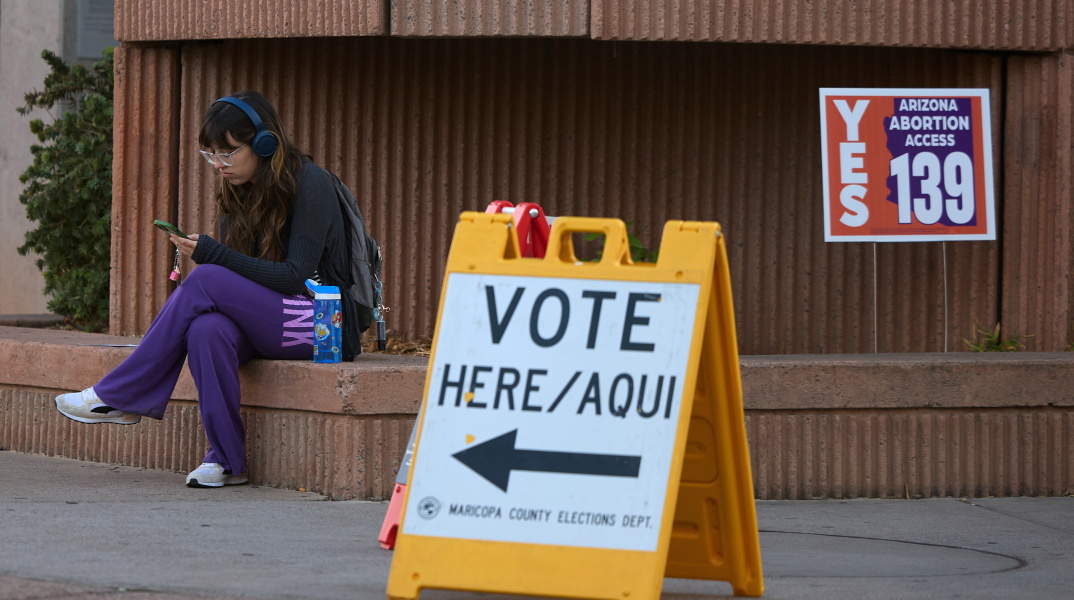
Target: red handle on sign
{"x": 496, "y": 206}
{"x": 532, "y": 228}
{"x": 616, "y": 246}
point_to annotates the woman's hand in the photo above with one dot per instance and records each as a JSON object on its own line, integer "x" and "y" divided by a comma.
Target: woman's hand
{"x": 185, "y": 245}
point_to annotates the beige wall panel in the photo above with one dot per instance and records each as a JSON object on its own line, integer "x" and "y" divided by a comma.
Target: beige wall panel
{"x": 987, "y": 24}
{"x": 345, "y": 457}
{"x": 1038, "y": 214}
{"x": 900, "y": 454}
{"x": 155, "y": 20}
{"x": 794, "y": 454}
{"x": 496, "y": 18}
{"x": 28, "y": 28}
{"x": 424, "y": 129}
{"x": 144, "y": 183}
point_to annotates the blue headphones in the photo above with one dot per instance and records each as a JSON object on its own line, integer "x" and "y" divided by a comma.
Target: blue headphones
{"x": 264, "y": 143}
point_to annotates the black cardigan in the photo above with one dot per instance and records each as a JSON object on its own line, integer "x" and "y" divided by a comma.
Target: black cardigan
{"x": 314, "y": 242}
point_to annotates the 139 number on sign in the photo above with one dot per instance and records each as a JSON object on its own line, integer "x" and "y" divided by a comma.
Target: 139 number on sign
{"x": 954, "y": 175}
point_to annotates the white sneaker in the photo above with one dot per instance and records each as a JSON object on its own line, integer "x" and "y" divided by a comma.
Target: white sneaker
{"x": 213, "y": 475}
{"x": 86, "y": 407}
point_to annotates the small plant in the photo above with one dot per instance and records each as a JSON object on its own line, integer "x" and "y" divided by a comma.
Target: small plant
{"x": 69, "y": 188}
{"x": 638, "y": 251}
{"x": 994, "y": 341}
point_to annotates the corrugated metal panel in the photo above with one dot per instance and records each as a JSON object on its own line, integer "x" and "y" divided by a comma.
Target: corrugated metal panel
{"x": 355, "y": 110}
{"x": 345, "y": 457}
{"x": 987, "y": 24}
{"x": 1039, "y": 201}
{"x": 794, "y": 455}
{"x": 348, "y": 123}
{"x": 471, "y": 18}
{"x": 993, "y": 24}
{"x": 898, "y": 454}
{"x": 423, "y": 129}
{"x": 155, "y": 20}
{"x": 144, "y": 183}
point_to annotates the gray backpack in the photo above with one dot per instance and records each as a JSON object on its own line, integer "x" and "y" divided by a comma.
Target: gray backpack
{"x": 363, "y": 282}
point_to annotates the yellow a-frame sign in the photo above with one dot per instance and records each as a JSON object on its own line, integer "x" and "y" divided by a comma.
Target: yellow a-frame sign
{"x": 582, "y": 432}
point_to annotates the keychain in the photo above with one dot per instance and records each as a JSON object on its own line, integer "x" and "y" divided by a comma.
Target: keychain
{"x": 378, "y": 314}
{"x": 176, "y": 273}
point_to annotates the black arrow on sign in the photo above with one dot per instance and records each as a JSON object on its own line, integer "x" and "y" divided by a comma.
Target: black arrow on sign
{"x": 496, "y": 458}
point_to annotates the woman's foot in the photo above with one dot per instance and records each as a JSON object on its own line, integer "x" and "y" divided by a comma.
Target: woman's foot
{"x": 86, "y": 407}
{"x": 213, "y": 475}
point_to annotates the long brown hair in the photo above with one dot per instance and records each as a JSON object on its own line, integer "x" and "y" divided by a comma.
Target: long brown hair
{"x": 258, "y": 209}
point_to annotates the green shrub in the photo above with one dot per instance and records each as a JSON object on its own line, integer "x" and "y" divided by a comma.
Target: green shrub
{"x": 68, "y": 189}
{"x": 638, "y": 252}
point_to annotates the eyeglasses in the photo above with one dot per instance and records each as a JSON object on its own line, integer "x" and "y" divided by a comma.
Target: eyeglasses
{"x": 223, "y": 157}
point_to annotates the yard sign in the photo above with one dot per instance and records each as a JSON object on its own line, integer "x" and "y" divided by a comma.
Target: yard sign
{"x": 573, "y": 412}
{"x": 906, "y": 165}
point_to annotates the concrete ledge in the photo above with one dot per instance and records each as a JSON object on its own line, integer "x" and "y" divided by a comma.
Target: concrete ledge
{"x": 339, "y": 430}
{"x": 819, "y": 426}
{"x": 958, "y": 380}
{"x": 69, "y": 360}
{"x": 35, "y": 320}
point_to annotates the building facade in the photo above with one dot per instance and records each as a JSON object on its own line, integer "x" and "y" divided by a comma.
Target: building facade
{"x": 645, "y": 111}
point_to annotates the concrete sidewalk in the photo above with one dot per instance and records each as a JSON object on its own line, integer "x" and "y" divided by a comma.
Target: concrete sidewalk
{"x": 79, "y": 530}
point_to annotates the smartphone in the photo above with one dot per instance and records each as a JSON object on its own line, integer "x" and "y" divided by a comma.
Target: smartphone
{"x": 168, "y": 227}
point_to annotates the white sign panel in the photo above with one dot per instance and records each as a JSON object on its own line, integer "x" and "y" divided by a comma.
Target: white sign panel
{"x": 552, "y": 411}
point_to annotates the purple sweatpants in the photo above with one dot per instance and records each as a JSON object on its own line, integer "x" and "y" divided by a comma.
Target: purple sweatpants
{"x": 216, "y": 320}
